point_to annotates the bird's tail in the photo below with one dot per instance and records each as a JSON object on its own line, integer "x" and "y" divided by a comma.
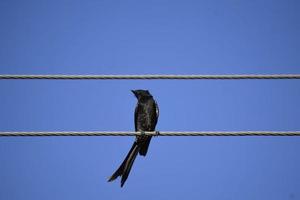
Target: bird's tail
{"x": 126, "y": 165}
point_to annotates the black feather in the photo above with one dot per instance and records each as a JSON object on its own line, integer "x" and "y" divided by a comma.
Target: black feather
{"x": 145, "y": 119}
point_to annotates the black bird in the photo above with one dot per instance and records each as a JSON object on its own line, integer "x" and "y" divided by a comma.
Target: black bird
{"x": 145, "y": 119}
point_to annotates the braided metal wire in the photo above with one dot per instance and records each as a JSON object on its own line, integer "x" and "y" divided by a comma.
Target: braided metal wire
{"x": 163, "y": 133}
{"x": 123, "y": 77}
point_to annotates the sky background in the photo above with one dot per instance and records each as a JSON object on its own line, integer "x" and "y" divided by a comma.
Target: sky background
{"x": 150, "y": 37}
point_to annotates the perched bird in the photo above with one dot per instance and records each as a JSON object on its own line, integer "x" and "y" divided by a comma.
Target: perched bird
{"x": 145, "y": 119}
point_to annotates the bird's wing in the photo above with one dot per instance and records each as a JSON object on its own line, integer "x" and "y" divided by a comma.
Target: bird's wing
{"x": 135, "y": 116}
{"x": 156, "y": 109}
{"x": 155, "y": 116}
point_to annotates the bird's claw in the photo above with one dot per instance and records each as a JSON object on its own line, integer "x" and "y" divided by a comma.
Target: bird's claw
{"x": 157, "y": 133}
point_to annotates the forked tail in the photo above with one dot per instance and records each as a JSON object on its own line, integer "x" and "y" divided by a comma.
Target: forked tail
{"x": 126, "y": 165}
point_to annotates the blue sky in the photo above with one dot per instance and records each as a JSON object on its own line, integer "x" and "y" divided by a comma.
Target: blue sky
{"x": 150, "y": 37}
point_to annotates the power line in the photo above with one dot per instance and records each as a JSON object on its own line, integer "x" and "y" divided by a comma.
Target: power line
{"x": 163, "y": 133}
{"x": 168, "y": 133}
{"x": 151, "y": 77}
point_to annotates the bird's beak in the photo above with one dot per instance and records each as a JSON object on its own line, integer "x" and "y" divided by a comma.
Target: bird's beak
{"x": 133, "y": 91}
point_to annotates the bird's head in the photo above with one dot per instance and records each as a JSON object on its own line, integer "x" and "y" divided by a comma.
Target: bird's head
{"x": 141, "y": 93}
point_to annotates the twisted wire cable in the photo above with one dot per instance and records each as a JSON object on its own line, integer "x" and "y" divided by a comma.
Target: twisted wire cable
{"x": 168, "y": 133}
{"x": 150, "y": 77}
{"x": 156, "y": 133}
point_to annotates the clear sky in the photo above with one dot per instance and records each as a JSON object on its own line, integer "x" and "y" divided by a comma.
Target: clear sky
{"x": 150, "y": 37}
